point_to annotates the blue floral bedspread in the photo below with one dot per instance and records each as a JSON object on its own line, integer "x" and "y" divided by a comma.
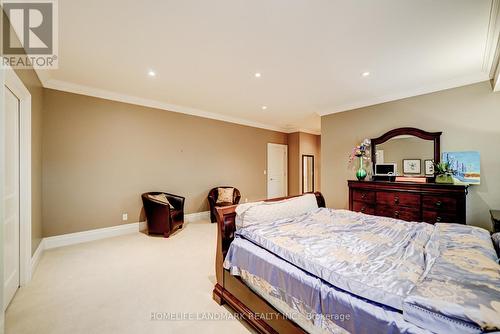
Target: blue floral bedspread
{"x": 461, "y": 285}
{"x": 445, "y": 270}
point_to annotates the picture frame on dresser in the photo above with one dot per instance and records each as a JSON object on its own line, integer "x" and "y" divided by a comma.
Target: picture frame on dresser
{"x": 412, "y": 166}
{"x": 429, "y": 167}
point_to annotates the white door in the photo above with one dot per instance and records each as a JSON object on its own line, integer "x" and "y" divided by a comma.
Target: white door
{"x": 277, "y": 167}
{"x": 11, "y": 198}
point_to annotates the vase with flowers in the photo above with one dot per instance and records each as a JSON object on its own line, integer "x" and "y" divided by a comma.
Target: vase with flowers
{"x": 360, "y": 151}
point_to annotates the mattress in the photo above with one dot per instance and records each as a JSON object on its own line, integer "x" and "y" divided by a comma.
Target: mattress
{"x": 312, "y": 303}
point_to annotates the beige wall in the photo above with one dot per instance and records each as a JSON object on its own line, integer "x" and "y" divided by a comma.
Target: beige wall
{"x": 31, "y": 81}
{"x": 294, "y": 187}
{"x": 100, "y": 155}
{"x": 468, "y": 116}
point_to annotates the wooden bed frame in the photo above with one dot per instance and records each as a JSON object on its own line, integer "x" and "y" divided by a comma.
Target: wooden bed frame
{"x": 231, "y": 289}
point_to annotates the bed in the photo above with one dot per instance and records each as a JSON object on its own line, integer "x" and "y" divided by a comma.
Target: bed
{"x": 334, "y": 271}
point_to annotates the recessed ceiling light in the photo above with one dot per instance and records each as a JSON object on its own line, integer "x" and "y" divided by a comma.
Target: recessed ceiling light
{"x": 151, "y": 73}
{"x": 365, "y": 74}
{"x": 264, "y": 107}
{"x": 258, "y": 75}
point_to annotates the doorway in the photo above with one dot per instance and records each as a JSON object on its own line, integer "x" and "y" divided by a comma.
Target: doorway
{"x": 16, "y": 180}
{"x": 12, "y": 267}
{"x": 277, "y": 170}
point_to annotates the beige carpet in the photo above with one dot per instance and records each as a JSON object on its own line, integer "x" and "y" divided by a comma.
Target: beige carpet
{"x": 114, "y": 285}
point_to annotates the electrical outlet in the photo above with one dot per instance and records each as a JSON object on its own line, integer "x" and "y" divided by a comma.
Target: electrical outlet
{"x": 246, "y": 200}
{"x": 125, "y": 217}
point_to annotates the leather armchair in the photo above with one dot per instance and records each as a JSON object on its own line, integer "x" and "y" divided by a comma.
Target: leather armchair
{"x": 212, "y": 201}
{"x": 161, "y": 219}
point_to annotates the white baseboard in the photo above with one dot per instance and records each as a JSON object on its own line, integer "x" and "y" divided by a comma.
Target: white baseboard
{"x": 193, "y": 217}
{"x": 107, "y": 232}
{"x": 91, "y": 235}
{"x": 35, "y": 259}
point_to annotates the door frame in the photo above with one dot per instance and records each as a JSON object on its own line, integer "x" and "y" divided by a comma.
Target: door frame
{"x": 286, "y": 167}
{"x": 16, "y": 86}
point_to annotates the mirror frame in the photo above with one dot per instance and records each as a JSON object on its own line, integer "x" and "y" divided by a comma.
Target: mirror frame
{"x": 434, "y": 136}
{"x": 303, "y": 158}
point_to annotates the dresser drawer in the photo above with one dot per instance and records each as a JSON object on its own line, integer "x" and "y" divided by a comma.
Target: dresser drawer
{"x": 433, "y": 217}
{"x": 408, "y": 214}
{"x": 410, "y": 201}
{"x": 362, "y": 207}
{"x": 439, "y": 203}
{"x": 363, "y": 196}
{"x": 393, "y": 198}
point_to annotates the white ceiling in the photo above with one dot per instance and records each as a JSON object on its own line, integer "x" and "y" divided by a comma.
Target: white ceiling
{"x": 311, "y": 54}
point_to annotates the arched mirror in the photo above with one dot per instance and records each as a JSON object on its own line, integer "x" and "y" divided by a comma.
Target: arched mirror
{"x": 406, "y": 152}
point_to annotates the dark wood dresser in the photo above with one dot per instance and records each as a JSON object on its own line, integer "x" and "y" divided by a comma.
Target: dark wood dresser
{"x": 419, "y": 202}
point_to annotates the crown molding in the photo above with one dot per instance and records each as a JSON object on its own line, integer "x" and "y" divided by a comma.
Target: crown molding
{"x": 113, "y": 96}
{"x": 69, "y": 87}
{"x": 463, "y": 81}
{"x": 493, "y": 46}
{"x": 317, "y": 133}
{"x": 490, "y": 58}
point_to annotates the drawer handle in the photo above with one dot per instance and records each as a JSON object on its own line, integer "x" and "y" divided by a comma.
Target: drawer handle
{"x": 439, "y": 203}
{"x": 396, "y": 214}
{"x": 396, "y": 200}
{"x": 363, "y": 209}
{"x": 438, "y": 219}
{"x": 363, "y": 195}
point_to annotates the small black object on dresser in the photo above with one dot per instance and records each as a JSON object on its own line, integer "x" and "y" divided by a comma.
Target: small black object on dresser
{"x": 495, "y": 220}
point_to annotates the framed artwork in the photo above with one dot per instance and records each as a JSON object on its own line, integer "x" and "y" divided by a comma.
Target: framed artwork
{"x": 412, "y": 166}
{"x": 429, "y": 167}
{"x": 466, "y": 165}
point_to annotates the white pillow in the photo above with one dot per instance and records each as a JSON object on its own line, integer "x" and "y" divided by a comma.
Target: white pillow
{"x": 264, "y": 212}
{"x": 225, "y": 195}
{"x": 162, "y": 198}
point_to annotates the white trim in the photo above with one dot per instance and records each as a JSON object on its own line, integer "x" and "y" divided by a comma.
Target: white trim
{"x": 113, "y": 96}
{"x": 70, "y": 87}
{"x": 91, "y": 235}
{"x": 35, "y": 259}
{"x": 143, "y": 226}
{"x": 317, "y": 133}
{"x": 463, "y": 81}
{"x": 492, "y": 38}
{"x": 17, "y": 87}
{"x": 108, "y": 232}
{"x": 197, "y": 216}
{"x": 2, "y": 186}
